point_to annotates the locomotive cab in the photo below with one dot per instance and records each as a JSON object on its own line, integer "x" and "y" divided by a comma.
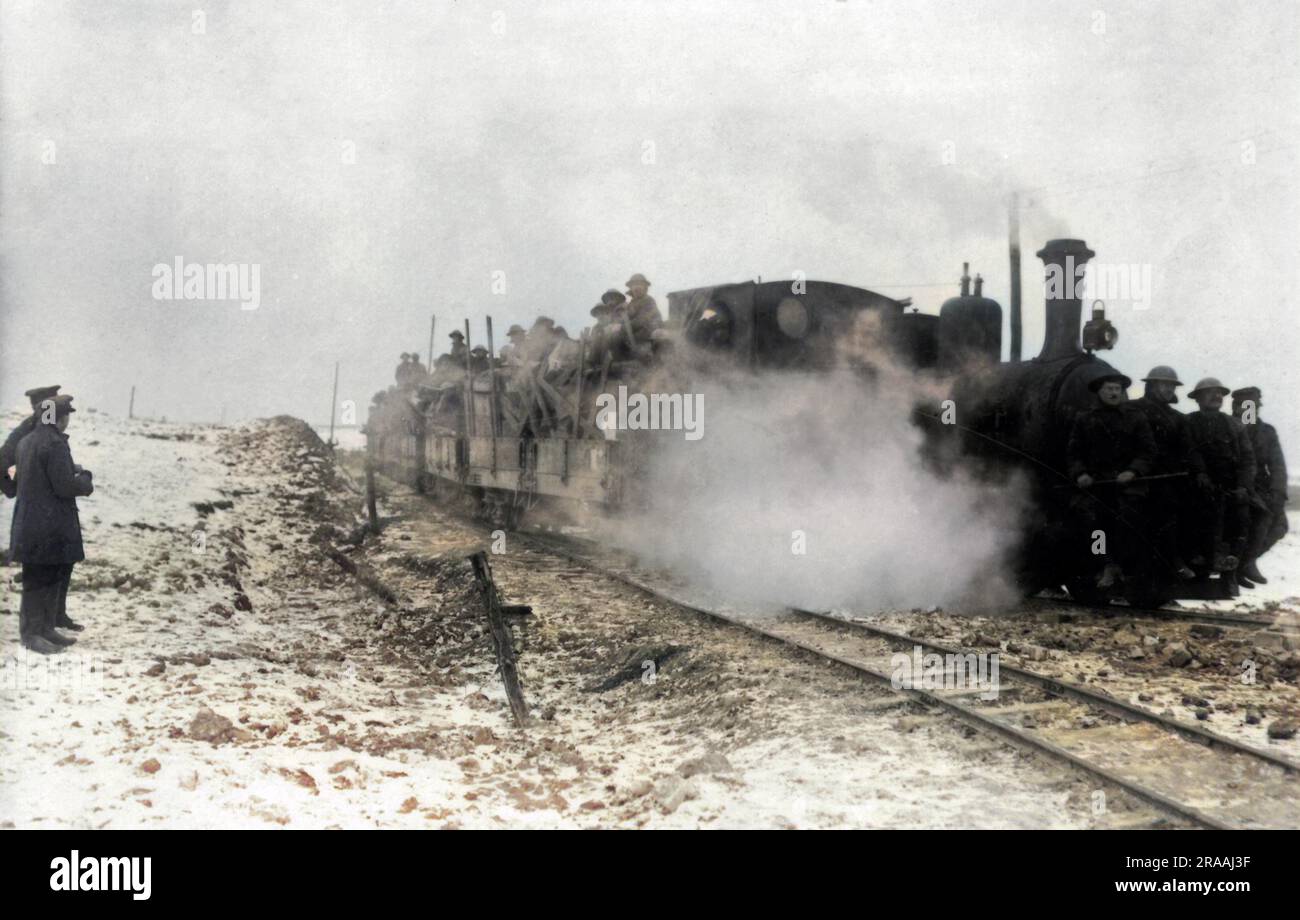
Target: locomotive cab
{"x": 779, "y": 325}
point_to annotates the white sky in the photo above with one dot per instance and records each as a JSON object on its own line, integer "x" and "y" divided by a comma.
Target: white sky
{"x": 502, "y": 136}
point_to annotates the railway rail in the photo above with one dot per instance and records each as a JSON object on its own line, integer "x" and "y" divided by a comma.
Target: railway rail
{"x": 1179, "y": 614}
{"x": 1178, "y": 769}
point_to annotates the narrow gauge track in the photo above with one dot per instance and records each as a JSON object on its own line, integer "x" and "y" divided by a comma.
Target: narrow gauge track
{"x": 1168, "y": 614}
{"x": 1175, "y": 767}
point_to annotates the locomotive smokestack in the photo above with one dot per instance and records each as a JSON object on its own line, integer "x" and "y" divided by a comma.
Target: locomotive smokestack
{"x": 1063, "y": 261}
{"x": 965, "y": 279}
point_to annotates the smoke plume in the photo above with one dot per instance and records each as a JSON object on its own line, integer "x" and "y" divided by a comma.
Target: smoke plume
{"x": 810, "y": 490}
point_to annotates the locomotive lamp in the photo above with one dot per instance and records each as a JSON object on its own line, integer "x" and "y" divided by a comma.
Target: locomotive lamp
{"x": 1098, "y": 333}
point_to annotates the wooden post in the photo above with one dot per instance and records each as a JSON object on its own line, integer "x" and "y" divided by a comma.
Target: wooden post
{"x": 492, "y": 395}
{"x": 582, "y": 372}
{"x": 130, "y": 412}
{"x": 371, "y": 510}
{"x": 1013, "y": 228}
{"x": 470, "y": 426}
{"x": 432, "y": 321}
{"x": 334, "y": 403}
{"x": 501, "y": 638}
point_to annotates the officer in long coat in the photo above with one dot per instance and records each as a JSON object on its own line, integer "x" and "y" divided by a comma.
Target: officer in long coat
{"x": 1175, "y": 456}
{"x": 9, "y": 452}
{"x": 46, "y": 532}
{"x": 1268, "y": 508}
{"x": 1109, "y": 448}
{"x": 1221, "y": 440}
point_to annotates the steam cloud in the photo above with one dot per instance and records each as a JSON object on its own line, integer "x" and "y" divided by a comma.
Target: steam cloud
{"x": 838, "y": 459}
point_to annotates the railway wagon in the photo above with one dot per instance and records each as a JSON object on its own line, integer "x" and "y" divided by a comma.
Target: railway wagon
{"x": 461, "y": 441}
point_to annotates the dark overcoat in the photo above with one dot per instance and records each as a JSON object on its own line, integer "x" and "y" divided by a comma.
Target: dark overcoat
{"x": 9, "y": 453}
{"x": 46, "y": 529}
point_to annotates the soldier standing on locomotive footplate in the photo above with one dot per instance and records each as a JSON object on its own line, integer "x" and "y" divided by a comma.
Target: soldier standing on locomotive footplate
{"x": 1177, "y": 459}
{"x": 1109, "y": 448}
{"x": 1224, "y": 519}
{"x": 1268, "y": 507}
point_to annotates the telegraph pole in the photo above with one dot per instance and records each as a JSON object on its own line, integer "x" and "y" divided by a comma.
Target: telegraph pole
{"x": 130, "y": 411}
{"x": 432, "y": 321}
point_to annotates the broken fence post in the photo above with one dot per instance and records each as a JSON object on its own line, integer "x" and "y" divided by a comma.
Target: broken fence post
{"x": 371, "y": 510}
{"x": 501, "y": 637}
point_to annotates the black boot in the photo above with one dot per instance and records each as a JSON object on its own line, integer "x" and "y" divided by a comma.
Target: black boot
{"x": 1251, "y": 571}
{"x": 41, "y": 645}
{"x": 55, "y": 639}
{"x": 68, "y": 624}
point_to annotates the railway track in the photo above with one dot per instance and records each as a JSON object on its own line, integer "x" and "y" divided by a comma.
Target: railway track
{"x": 1167, "y": 614}
{"x": 1177, "y": 768}
{"x": 1047, "y": 602}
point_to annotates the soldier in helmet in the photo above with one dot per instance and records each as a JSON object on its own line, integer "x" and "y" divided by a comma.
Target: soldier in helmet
{"x": 403, "y": 370}
{"x": 1224, "y": 513}
{"x": 9, "y": 452}
{"x": 539, "y": 340}
{"x": 1268, "y": 507}
{"x": 1109, "y": 448}
{"x": 512, "y": 353}
{"x": 1175, "y": 455}
{"x": 478, "y": 359}
{"x": 417, "y": 373}
{"x": 454, "y": 359}
{"x": 643, "y": 317}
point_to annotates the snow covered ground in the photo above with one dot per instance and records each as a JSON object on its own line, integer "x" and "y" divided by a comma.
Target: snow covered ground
{"x": 231, "y": 675}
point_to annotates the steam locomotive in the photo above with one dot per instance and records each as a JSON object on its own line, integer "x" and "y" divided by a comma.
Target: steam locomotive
{"x": 504, "y": 440}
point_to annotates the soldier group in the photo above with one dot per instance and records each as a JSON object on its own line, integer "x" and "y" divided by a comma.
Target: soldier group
{"x": 411, "y": 372}
{"x": 36, "y": 468}
{"x": 625, "y": 329}
{"x": 1199, "y": 493}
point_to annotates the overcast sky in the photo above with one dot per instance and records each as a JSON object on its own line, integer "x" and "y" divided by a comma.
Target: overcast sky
{"x": 381, "y": 161}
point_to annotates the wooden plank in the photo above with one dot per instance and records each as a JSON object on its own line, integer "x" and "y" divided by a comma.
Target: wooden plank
{"x": 501, "y": 638}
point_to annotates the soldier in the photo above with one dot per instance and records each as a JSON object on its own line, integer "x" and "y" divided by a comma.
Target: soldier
{"x": 478, "y": 359}
{"x": 1111, "y": 446}
{"x": 1174, "y": 455}
{"x": 1268, "y": 512}
{"x": 417, "y": 372}
{"x": 642, "y": 314}
{"x": 539, "y": 340}
{"x": 455, "y": 358}
{"x": 1224, "y": 515}
{"x": 400, "y": 374}
{"x": 598, "y": 337}
{"x": 564, "y": 353}
{"x": 512, "y": 354}
{"x": 9, "y": 452}
{"x": 46, "y": 533}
